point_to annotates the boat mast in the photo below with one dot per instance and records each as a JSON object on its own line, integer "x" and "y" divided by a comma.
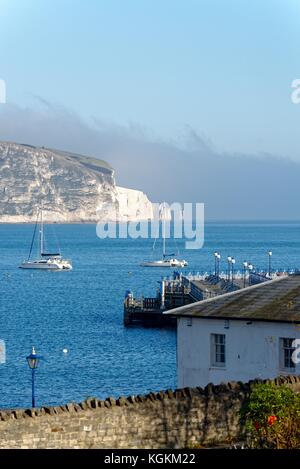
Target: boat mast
{"x": 33, "y": 238}
{"x": 164, "y": 232}
{"x": 41, "y": 234}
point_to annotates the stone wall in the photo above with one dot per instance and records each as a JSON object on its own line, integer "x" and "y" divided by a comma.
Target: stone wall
{"x": 169, "y": 419}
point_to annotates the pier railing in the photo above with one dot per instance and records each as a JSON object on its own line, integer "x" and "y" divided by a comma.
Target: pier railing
{"x": 151, "y": 303}
{"x": 181, "y": 289}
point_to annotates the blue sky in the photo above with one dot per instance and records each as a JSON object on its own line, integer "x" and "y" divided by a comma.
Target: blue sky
{"x": 222, "y": 67}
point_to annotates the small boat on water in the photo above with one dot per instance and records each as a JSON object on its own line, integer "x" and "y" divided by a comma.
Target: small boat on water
{"x": 165, "y": 263}
{"x": 167, "y": 259}
{"x": 46, "y": 260}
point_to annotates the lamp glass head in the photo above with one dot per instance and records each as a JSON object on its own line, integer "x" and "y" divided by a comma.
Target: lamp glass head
{"x": 33, "y": 360}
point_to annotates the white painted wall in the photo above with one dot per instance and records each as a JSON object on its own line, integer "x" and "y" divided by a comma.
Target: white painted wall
{"x": 252, "y": 351}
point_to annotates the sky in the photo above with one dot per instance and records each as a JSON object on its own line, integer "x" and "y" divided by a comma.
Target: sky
{"x": 163, "y": 90}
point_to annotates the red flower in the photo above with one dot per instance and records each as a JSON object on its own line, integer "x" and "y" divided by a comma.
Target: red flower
{"x": 272, "y": 419}
{"x": 256, "y": 425}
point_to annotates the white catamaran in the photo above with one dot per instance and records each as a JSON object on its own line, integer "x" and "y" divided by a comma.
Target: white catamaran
{"x": 48, "y": 261}
{"x": 167, "y": 259}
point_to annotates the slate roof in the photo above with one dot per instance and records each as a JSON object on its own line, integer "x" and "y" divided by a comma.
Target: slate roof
{"x": 276, "y": 300}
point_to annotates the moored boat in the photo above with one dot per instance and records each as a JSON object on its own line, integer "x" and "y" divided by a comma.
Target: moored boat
{"x": 46, "y": 261}
{"x": 165, "y": 263}
{"x": 167, "y": 259}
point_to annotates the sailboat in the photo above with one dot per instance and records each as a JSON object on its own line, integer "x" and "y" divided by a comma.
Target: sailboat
{"x": 167, "y": 259}
{"x": 165, "y": 263}
{"x": 46, "y": 260}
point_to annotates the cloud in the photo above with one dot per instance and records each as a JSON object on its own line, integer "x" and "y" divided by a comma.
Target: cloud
{"x": 232, "y": 186}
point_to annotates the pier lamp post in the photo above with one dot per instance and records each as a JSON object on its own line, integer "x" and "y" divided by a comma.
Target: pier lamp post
{"x": 270, "y": 254}
{"x": 245, "y": 265}
{"x": 33, "y": 362}
{"x": 232, "y": 269}
{"x": 250, "y": 268}
{"x": 218, "y": 263}
{"x": 229, "y": 259}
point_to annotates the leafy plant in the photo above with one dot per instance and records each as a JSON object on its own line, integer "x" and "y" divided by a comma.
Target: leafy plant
{"x": 272, "y": 417}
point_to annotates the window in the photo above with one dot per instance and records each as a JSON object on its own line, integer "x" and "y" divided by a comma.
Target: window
{"x": 286, "y": 352}
{"x": 218, "y": 350}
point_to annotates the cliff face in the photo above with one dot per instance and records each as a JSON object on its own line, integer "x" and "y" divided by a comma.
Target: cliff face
{"x": 72, "y": 188}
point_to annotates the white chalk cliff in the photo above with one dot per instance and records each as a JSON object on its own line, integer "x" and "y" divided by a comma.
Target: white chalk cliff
{"x": 71, "y": 188}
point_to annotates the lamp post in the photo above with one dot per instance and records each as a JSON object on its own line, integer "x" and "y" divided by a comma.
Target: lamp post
{"x": 270, "y": 254}
{"x": 33, "y": 362}
{"x": 216, "y": 261}
{"x": 229, "y": 259}
{"x": 232, "y": 269}
{"x": 245, "y": 265}
{"x": 218, "y": 258}
{"x": 217, "y": 264}
{"x": 250, "y": 267}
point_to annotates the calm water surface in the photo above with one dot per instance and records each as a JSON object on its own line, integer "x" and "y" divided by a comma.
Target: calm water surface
{"x": 82, "y": 310}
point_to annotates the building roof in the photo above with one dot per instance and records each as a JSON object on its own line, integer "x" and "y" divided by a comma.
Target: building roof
{"x": 276, "y": 300}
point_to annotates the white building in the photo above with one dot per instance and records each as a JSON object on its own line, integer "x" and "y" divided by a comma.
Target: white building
{"x": 239, "y": 336}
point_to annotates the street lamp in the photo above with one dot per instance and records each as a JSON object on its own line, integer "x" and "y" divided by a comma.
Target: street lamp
{"x": 217, "y": 264}
{"x": 229, "y": 259}
{"x": 270, "y": 255}
{"x": 33, "y": 362}
{"x": 245, "y": 264}
{"x": 232, "y": 269}
{"x": 250, "y": 267}
{"x": 216, "y": 260}
{"x": 219, "y": 258}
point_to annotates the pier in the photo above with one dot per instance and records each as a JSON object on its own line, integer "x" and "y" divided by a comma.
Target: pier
{"x": 148, "y": 312}
{"x": 180, "y": 290}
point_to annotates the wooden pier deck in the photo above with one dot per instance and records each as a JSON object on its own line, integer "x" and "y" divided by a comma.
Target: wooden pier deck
{"x": 179, "y": 291}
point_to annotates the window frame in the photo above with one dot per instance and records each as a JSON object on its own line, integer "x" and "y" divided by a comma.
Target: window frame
{"x": 285, "y": 354}
{"x": 218, "y": 349}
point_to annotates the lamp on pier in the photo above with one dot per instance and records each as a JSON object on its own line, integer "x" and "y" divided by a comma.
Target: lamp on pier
{"x": 229, "y": 259}
{"x": 232, "y": 269}
{"x": 217, "y": 264}
{"x": 219, "y": 258}
{"x": 270, "y": 254}
{"x": 245, "y": 265}
{"x": 250, "y": 268}
{"x": 216, "y": 261}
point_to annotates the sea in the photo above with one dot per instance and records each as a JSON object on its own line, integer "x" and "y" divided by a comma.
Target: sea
{"x": 75, "y": 319}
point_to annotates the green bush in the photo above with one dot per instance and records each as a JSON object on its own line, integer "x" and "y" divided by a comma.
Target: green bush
{"x": 272, "y": 417}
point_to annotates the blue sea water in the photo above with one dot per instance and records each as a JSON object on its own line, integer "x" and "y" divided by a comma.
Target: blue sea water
{"x": 82, "y": 310}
